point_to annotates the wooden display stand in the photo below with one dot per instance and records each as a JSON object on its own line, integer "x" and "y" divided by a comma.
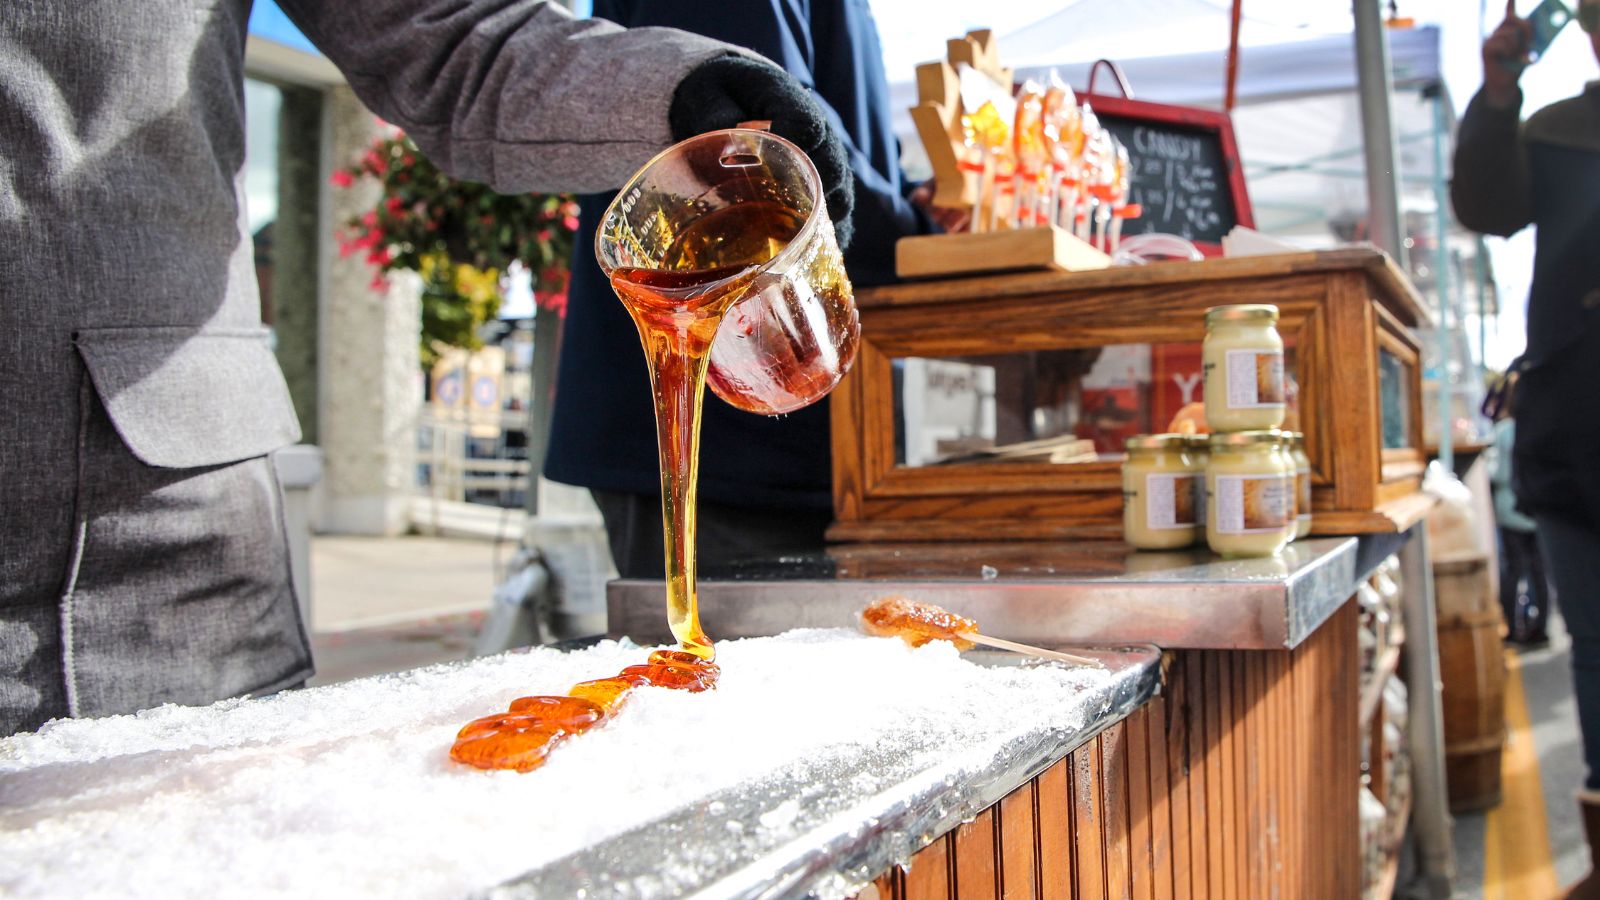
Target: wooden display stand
{"x": 1346, "y": 314}
{"x": 1048, "y": 249}
{"x": 1239, "y": 780}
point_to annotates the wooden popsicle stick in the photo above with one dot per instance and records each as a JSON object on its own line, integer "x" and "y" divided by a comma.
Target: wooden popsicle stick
{"x": 1004, "y": 644}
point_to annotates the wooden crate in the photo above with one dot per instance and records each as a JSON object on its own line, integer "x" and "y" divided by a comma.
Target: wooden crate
{"x": 1342, "y": 311}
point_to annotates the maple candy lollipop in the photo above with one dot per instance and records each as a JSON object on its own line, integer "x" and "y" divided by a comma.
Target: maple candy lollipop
{"x": 1032, "y": 156}
{"x": 1063, "y": 130}
{"x": 918, "y": 623}
{"x": 1100, "y": 175}
{"x": 1121, "y": 209}
{"x": 1085, "y": 164}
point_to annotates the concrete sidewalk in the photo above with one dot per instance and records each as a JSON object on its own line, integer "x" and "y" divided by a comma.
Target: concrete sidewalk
{"x": 389, "y": 604}
{"x": 1529, "y": 863}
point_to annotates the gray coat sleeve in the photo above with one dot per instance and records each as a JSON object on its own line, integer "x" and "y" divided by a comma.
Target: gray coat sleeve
{"x": 1490, "y": 186}
{"x": 514, "y": 93}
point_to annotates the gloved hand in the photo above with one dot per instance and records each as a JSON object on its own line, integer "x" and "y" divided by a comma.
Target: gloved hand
{"x": 727, "y": 90}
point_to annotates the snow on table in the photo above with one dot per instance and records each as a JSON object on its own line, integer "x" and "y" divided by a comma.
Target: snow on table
{"x": 348, "y": 790}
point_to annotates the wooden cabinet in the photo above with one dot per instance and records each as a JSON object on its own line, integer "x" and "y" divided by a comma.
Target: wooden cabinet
{"x": 1238, "y": 780}
{"x": 1346, "y": 316}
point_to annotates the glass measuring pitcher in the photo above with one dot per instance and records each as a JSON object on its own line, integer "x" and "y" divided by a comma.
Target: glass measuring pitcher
{"x": 722, "y": 253}
{"x": 748, "y": 205}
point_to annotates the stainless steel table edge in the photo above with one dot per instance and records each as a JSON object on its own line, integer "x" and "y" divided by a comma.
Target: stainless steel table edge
{"x": 1281, "y": 603}
{"x": 841, "y": 845}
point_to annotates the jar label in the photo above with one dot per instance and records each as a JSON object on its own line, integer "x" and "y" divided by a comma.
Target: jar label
{"x": 1169, "y": 501}
{"x": 1251, "y": 504}
{"x": 1255, "y": 379}
{"x": 1302, "y": 484}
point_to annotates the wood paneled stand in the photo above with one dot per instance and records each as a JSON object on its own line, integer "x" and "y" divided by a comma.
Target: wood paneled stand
{"x": 1239, "y": 780}
{"x": 1347, "y": 314}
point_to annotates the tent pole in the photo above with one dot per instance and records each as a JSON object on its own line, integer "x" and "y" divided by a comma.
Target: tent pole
{"x": 1480, "y": 274}
{"x": 1376, "y": 86}
{"x": 1231, "y": 94}
{"x": 1441, "y": 280}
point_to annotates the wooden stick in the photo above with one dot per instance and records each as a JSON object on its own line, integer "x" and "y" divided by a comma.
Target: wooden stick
{"x": 1003, "y": 644}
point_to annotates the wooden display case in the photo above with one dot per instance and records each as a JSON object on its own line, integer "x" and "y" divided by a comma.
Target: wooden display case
{"x": 1346, "y": 317}
{"x": 1239, "y": 780}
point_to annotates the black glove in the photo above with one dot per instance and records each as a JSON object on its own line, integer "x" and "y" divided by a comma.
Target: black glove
{"x": 727, "y": 90}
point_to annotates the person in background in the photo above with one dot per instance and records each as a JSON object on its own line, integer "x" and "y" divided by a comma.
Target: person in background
{"x": 1524, "y": 590}
{"x": 143, "y": 557}
{"x": 1546, "y": 172}
{"x": 765, "y": 484}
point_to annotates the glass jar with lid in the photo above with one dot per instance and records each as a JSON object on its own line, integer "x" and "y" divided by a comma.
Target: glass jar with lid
{"x": 1249, "y": 494}
{"x": 1158, "y": 493}
{"x": 1242, "y": 363}
{"x": 1302, "y": 483}
{"x": 1199, "y": 446}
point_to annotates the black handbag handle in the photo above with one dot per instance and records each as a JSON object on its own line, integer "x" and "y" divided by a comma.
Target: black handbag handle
{"x": 1494, "y": 401}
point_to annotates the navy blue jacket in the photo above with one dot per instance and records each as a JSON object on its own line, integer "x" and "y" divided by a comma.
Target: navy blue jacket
{"x": 1547, "y": 173}
{"x": 602, "y": 430}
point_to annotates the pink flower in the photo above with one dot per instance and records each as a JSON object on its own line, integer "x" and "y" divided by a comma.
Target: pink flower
{"x": 570, "y": 223}
{"x": 342, "y": 178}
{"x": 394, "y": 207}
{"x": 544, "y": 234}
{"x": 556, "y": 303}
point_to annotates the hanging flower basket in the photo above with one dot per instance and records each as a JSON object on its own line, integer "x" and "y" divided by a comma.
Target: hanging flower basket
{"x": 459, "y": 236}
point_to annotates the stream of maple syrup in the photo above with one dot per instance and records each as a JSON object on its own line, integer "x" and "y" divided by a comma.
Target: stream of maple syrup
{"x": 677, "y": 306}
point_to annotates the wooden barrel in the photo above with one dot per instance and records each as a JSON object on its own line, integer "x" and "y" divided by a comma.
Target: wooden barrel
{"x": 1472, "y": 668}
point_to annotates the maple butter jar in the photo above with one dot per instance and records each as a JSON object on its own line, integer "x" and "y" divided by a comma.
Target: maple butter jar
{"x": 1199, "y": 453}
{"x": 1249, "y": 494}
{"x": 1242, "y": 363}
{"x": 1158, "y": 493}
{"x": 1302, "y": 483}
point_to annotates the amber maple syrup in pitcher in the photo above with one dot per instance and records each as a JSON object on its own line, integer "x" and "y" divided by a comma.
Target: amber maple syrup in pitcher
{"x": 678, "y": 307}
{"x": 725, "y": 226}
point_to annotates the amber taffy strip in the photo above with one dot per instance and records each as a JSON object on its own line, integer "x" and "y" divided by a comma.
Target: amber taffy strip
{"x": 522, "y": 737}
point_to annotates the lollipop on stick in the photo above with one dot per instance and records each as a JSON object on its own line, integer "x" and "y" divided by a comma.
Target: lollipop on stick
{"x": 1063, "y": 127}
{"x": 988, "y": 127}
{"x": 918, "y": 623}
{"x": 1103, "y": 188}
{"x": 1120, "y": 207}
{"x": 1031, "y": 154}
{"x": 1087, "y": 162}
{"x": 1099, "y": 164}
{"x": 986, "y": 131}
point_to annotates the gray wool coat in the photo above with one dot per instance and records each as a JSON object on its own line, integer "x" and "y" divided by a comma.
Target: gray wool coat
{"x": 142, "y": 551}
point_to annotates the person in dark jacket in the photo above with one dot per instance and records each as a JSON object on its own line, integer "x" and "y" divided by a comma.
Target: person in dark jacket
{"x": 1546, "y": 172}
{"x": 765, "y": 484}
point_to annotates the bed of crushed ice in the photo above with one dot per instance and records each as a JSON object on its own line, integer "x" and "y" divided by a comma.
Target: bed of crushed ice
{"x": 348, "y": 790}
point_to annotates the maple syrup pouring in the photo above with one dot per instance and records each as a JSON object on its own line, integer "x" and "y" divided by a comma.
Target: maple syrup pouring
{"x": 677, "y": 307}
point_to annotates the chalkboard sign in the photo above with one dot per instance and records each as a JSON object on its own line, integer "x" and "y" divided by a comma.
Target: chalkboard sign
{"x": 1185, "y": 169}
